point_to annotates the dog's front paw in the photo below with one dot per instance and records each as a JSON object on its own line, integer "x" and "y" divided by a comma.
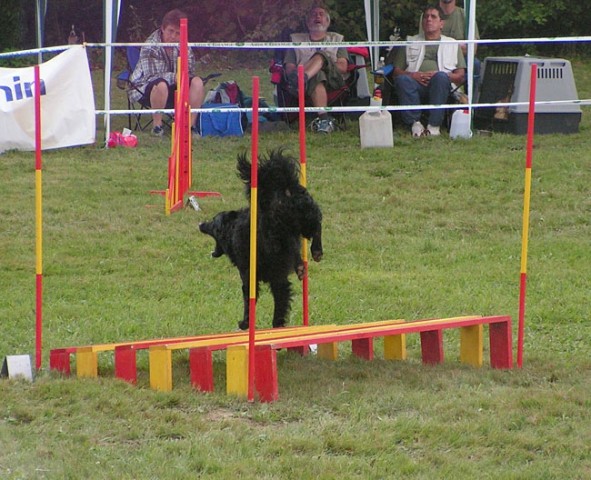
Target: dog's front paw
{"x": 317, "y": 255}
{"x": 243, "y": 325}
{"x": 300, "y": 271}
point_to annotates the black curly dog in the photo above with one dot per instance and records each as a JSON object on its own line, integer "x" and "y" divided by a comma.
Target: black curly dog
{"x": 286, "y": 212}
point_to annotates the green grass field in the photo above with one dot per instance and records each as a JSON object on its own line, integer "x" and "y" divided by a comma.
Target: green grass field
{"x": 430, "y": 228}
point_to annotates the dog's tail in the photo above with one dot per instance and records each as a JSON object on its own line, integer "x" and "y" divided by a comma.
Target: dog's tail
{"x": 243, "y": 166}
{"x": 277, "y": 171}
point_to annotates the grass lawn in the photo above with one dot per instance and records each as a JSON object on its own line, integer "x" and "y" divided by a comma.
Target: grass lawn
{"x": 430, "y": 228}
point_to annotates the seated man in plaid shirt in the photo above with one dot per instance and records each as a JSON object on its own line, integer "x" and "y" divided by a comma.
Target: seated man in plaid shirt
{"x": 153, "y": 81}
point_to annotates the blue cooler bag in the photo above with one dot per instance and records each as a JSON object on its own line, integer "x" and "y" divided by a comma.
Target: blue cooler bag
{"x": 220, "y": 123}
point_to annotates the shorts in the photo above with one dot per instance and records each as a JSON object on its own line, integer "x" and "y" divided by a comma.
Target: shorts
{"x": 145, "y": 100}
{"x": 329, "y": 75}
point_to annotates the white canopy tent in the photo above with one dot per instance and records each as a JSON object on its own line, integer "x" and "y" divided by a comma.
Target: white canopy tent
{"x": 372, "y": 27}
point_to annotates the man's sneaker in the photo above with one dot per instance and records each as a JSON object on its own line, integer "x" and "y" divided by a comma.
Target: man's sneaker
{"x": 323, "y": 125}
{"x": 432, "y": 131}
{"x": 195, "y": 133}
{"x": 417, "y": 129}
{"x": 158, "y": 131}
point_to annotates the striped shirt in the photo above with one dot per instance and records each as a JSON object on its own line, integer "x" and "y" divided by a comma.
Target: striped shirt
{"x": 155, "y": 62}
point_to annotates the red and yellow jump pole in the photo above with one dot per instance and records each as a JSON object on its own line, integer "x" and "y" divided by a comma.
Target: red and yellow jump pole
{"x": 184, "y": 110}
{"x": 38, "y": 224}
{"x": 302, "y": 125}
{"x": 526, "y": 209}
{"x": 253, "y": 237}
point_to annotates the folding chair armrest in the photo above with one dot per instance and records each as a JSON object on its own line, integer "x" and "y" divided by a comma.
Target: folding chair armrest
{"x": 210, "y": 77}
{"x": 353, "y": 67}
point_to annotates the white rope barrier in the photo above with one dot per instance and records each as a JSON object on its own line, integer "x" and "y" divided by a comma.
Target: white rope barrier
{"x": 269, "y": 45}
{"x": 285, "y": 45}
{"x": 360, "y": 109}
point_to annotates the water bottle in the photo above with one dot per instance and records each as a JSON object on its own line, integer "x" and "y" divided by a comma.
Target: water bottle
{"x": 376, "y": 99}
{"x": 193, "y": 203}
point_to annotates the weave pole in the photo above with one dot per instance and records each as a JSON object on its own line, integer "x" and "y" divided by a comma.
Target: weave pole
{"x": 526, "y": 209}
{"x": 252, "y": 283}
{"x": 180, "y": 161}
{"x": 180, "y": 132}
{"x": 38, "y": 225}
{"x": 184, "y": 126}
{"x": 302, "y": 125}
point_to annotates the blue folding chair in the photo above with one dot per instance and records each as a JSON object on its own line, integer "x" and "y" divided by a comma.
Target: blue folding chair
{"x": 134, "y": 120}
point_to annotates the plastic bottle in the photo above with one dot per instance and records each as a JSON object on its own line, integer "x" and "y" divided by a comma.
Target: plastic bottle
{"x": 376, "y": 100}
{"x": 73, "y": 37}
{"x": 193, "y": 202}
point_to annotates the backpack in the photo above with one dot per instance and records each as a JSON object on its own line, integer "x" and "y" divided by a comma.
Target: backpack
{"x": 225, "y": 95}
{"x": 226, "y": 92}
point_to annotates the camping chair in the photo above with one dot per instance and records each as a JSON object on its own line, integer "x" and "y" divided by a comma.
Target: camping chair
{"x": 336, "y": 98}
{"x": 134, "y": 120}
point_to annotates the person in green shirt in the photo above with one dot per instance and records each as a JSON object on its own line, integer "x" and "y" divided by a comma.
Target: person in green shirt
{"x": 454, "y": 26}
{"x": 427, "y": 73}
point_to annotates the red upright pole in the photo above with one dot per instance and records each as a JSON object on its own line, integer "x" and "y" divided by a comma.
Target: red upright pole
{"x": 302, "y": 124}
{"x": 253, "y": 237}
{"x": 181, "y": 156}
{"x": 526, "y": 208}
{"x": 38, "y": 224}
{"x": 183, "y": 108}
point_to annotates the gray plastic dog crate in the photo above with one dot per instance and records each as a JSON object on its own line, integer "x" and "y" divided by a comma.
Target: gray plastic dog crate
{"x": 507, "y": 79}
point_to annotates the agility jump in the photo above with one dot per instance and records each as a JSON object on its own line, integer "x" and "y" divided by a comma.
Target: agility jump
{"x": 180, "y": 161}
{"x": 251, "y": 360}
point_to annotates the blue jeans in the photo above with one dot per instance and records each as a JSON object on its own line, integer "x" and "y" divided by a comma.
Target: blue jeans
{"x": 411, "y": 92}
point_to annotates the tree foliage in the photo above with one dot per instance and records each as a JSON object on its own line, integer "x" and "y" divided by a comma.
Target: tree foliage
{"x": 10, "y": 19}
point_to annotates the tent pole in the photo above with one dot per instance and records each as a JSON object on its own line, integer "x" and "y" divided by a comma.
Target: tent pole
{"x": 111, "y": 20}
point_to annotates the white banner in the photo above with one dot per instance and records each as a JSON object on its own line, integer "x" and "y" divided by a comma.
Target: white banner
{"x": 67, "y": 103}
